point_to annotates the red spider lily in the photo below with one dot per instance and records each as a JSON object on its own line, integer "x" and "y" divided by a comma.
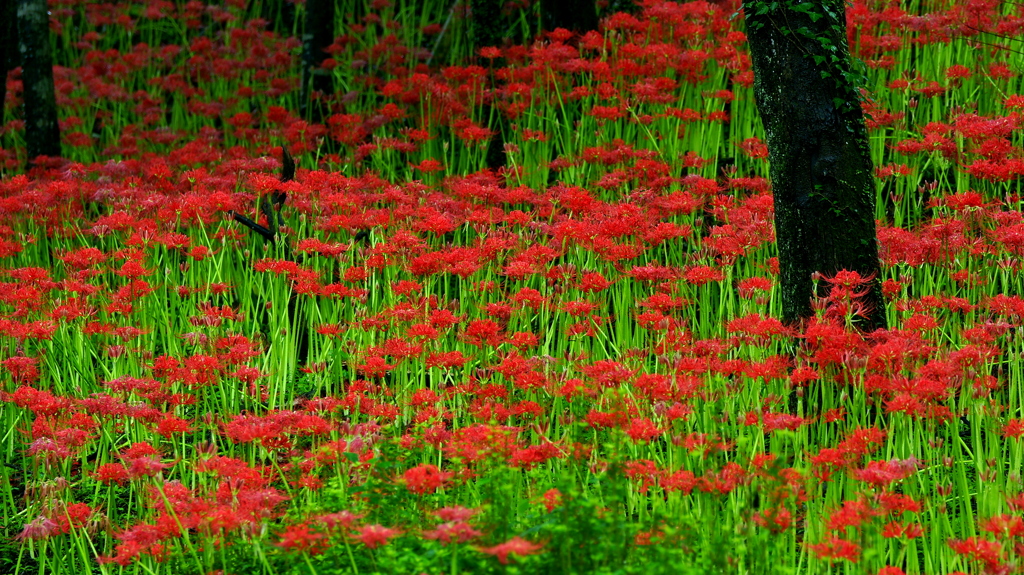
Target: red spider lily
{"x": 852, "y": 514}
{"x": 171, "y": 425}
{"x": 645, "y": 471}
{"x": 38, "y": 401}
{"x": 775, "y": 421}
{"x": 422, "y": 330}
{"x": 883, "y": 473}
{"x": 834, "y": 548}
{"x": 452, "y": 532}
{"x": 375, "y": 367}
{"x": 314, "y": 245}
{"x": 747, "y": 287}
{"x": 483, "y": 333}
{"x": 803, "y": 375}
{"x": 700, "y": 275}
{"x": 339, "y": 520}
{"x": 83, "y": 258}
{"x": 446, "y": 360}
{"x": 833, "y": 344}
{"x": 375, "y": 535}
{"x": 1013, "y": 428}
{"x": 478, "y": 442}
{"x": 593, "y": 282}
{"x": 443, "y": 319}
{"x": 523, "y": 340}
{"x": 755, "y": 326}
{"x": 656, "y": 386}
{"x": 724, "y": 481}
{"x": 844, "y": 284}
{"x": 428, "y": 166}
{"x": 396, "y": 348}
{"x": 514, "y": 546}
{"x": 682, "y": 480}
{"x": 425, "y": 478}
{"x": 69, "y": 516}
{"x": 775, "y": 519}
{"x": 895, "y": 529}
{"x": 1004, "y": 526}
{"x": 579, "y": 308}
{"x": 330, "y": 330}
{"x": 465, "y": 130}
{"x": 754, "y": 147}
{"x": 142, "y": 539}
{"x": 456, "y": 513}
{"x": 855, "y": 445}
{"x": 552, "y": 499}
{"x": 533, "y": 455}
{"x": 112, "y": 473}
{"x": 608, "y": 373}
{"x": 977, "y": 549}
{"x": 142, "y": 460}
{"x": 23, "y": 370}
{"x": 642, "y": 429}
{"x": 303, "y": 538}
{"x": 663, "y": 302}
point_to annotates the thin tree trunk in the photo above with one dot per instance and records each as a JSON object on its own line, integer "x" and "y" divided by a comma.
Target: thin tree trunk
{"x": 280, "y": 16}
{"x": 488, "y": 28}
{"x": 318, "y": 35}
{"x": 8, "y": 48}
{"x": 821, "y": 171}
{"x": 579, "y": 16}
{"x": 42, "y": 134}
{"x": 489, "y": 31}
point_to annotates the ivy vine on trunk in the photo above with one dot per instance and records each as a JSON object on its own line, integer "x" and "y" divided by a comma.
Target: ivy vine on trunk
{"x": 807, "y": 93}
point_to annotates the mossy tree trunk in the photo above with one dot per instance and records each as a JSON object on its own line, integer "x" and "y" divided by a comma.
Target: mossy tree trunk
{"x": 317, "y": 83}
{"x": 820, "y": 165}
{"x": 42, "y": 134}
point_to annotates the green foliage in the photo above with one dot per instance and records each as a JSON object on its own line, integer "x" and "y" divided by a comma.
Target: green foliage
{"x": 825, "y": 46}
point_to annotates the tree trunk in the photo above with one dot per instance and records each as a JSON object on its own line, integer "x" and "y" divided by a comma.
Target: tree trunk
{"x": 8, "y": 48}
{"x": 42, "y": 135}
{"x": 318, "y": 35}
{"x": 820, "y": 165}
{"x": 579, "y": 16}
{"x": 280, "y": 16}
{"x": 489, "y": 27}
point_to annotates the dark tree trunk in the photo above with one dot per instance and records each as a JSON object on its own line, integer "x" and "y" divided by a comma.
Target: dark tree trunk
{"x": 317, "y": 83}
{"x": 580, "y": 16}
{"x": 280, "y": 15}
{"x": 488, "y": 28}
{"x": 42, "y": 135}
{"x": 353, "y": 10}
{"x": 821, "y": 169}
{"x": 8, "y": 48}
{"x": 627, "y": 6}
